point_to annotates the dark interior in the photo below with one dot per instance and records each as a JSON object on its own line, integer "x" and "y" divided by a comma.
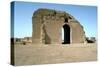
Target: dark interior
{"x": 66, "y": 34}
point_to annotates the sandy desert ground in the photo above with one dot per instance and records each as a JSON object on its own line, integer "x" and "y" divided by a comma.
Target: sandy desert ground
{"x": 54, "y": 53}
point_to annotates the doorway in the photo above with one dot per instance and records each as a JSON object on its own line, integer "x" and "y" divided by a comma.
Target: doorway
{"x": 66, "y": 32}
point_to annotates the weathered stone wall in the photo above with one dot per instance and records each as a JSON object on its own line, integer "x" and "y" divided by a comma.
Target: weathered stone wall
{"x": 53, "y": 26}
{"x": 77, "y": 33}
{"x": 36, "y": 34}
{"x": 47, "y": 26}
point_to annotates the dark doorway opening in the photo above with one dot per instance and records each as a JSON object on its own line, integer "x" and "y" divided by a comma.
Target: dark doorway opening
{"x": 66, "y": 20}
{"x": 66, "y": 34}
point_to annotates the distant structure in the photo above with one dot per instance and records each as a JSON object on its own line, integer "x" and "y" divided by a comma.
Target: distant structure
{"x": 27, "y": 40}
{"x": 24, "y": 41}
{"x": 91, "y": 39}
{"x": 47, "y": 25}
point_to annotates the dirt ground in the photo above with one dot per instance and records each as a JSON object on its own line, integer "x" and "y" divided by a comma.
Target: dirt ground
{"x": 54, "y": 53}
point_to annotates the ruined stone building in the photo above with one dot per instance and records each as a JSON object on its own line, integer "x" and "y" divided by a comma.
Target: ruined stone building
{"x": 47, "y": 25}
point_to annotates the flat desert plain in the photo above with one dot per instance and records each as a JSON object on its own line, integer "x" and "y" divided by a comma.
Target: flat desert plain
{"x": 54, "y": 53}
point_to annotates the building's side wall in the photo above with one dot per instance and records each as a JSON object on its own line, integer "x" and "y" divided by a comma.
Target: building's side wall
{"x": 36, "y": 31}
{"x": 77, "y": 34}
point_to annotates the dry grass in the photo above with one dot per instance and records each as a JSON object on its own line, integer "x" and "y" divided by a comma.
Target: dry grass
{"x": 54, "y": 53}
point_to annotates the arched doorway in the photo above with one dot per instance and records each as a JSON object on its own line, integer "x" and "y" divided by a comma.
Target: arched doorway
{"x": 66, "y": 33}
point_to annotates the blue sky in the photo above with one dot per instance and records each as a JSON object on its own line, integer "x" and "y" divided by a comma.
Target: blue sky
{"x": 23, "y": 11}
